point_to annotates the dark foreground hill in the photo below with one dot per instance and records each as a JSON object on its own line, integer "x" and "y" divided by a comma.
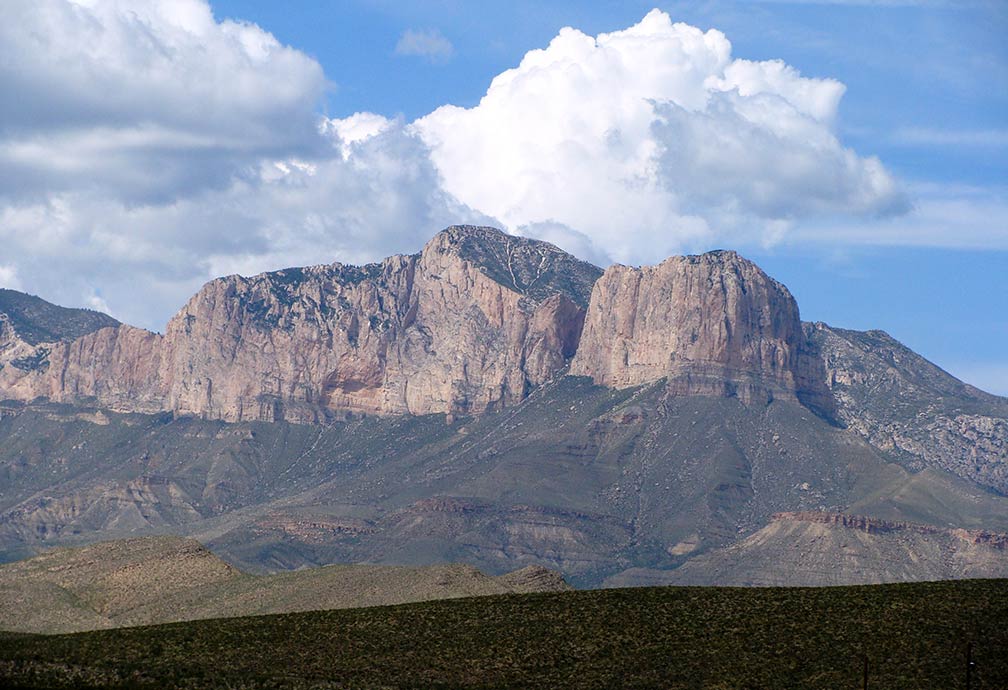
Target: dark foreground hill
{"x": 911, "y": 635}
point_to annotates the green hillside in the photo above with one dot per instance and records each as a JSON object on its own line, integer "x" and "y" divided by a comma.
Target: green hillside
{"x": 914, "y": 636}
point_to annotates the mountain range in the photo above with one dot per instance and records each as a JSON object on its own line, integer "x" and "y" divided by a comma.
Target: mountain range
{"x": 495, "y": 401}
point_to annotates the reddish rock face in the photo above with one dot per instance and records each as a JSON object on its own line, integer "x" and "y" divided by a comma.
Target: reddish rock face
{"x": 473, "y": 322}
{"x": 713, "y": 324}
{"x": 118, "y": 366}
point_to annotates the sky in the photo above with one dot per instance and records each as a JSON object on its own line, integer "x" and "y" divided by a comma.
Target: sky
{"x": 856, "y": 150}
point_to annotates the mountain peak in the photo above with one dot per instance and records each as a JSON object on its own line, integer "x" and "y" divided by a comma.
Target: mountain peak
{"x": 530, "y": 267}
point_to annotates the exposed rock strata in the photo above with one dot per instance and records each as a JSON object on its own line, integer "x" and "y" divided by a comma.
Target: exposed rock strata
{"x": 872, "y": 525}
{"x": 814, "y": 549}
{"x": 713, "y": 324}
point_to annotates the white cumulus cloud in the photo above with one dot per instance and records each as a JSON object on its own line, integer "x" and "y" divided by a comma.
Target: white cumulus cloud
{"x": 652, "y": 139}
{"x": 146, "y": 147}
{"x": 146, "y": 100}
{"x": 9, "y": 277}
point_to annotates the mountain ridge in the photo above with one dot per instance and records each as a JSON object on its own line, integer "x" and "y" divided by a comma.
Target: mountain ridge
{"x": 467, "y": 404}
{"x": 430, "y": 332}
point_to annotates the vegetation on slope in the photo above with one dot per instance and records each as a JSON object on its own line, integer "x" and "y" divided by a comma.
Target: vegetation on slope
{"x": 914, "y": 636}
{"x": 579, "y": 478}
{"x": 37, "y": 321}
{"x": 151, "y": 580}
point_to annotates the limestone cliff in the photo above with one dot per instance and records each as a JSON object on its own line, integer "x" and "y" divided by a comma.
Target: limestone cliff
{"x": 45, "y": 349}
{"x": 712, "y": 324}
{"x": 474, "y": 321}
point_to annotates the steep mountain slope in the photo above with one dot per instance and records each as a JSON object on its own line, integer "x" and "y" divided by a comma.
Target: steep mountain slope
{"x": 905, "y": 405}
{"x": 446, "y": 424}
{"x": 30, "y": 328}
{"x": 165, "y": 579}
{"x": 36, "y": 321}
{"x": 584, "y": 479}
{"x": 713, "y": 324}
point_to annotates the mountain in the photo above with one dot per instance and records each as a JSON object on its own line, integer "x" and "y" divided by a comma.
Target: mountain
{"x": 472, "y": 322}
{"x": 492, "y": 400}
{"x": 150, "y": 580}
{"x": 35, "y": 321}
{"x": 30, "y": 328}
{"x": 713, "y": 324}
{"x": 906, "y": 406}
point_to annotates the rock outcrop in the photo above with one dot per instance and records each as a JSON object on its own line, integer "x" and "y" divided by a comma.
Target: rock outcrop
{"x": 813, "y": 549}
{"x": 473, "y": 322}
{"x": 45, "y": 348}
{"x": 35, "y": 321}
{"x": 873, "y": 525}
{"x": 712, "y": 324}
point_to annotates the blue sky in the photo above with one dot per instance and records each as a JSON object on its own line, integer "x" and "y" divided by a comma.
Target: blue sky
{"x": 926, "y": 92}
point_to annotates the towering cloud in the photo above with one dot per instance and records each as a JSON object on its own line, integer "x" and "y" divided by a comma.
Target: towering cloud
{"x": 653, "y": 138}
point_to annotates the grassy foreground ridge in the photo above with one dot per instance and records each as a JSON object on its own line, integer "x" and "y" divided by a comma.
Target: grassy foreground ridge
{"x": 914, "y": 636}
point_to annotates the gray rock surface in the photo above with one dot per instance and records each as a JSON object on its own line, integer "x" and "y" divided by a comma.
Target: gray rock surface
{"x": 905, "y": 405}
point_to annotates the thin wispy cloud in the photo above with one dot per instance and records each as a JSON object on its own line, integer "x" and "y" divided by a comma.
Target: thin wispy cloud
{"x": 430, "y": 44}
{"x": 884, "y": 3}
{"x": 933, "y": 136}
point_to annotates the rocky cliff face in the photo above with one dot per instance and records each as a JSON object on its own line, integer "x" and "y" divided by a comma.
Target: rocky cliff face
{"x": 713, "y": 324}
{"x": 35, "y": 334}
{"x": 872, "y": 525}
{"x": 476, "y": 321}
{"x": 472, "y": 322}
{"x": 443, "y": 331}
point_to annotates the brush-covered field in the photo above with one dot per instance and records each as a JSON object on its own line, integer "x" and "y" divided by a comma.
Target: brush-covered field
{"x": 913, "y": 635}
